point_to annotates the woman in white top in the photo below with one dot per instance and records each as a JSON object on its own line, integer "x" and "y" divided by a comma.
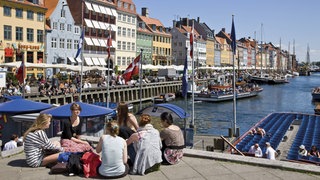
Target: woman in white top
{"x": 113, "y": 151}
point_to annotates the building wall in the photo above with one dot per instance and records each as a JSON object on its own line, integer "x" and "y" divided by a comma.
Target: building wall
{"x": 162, "y": 49}
{"x": 210, "y": 53}
{"x": 144, "y": 41}
{"x": 126, "y": 36}
{"x": 31, "y": 50}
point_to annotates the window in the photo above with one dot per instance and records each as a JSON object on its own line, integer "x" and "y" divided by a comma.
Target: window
{"x": 61, "y": 45}
{"x": 69, "y": 43}
{"x": 133, "y": 33}
{"x": 129, "y": 32}
{"x": 75, "y": 44}
{"x": 19, "y": 13}
{"x": 61, "y": 26}
{"x": 129, "y": 60}
{"x": 120, "y": 16}
{"x": 128, "y": 46}
{"x": 54, "y": 42}
{"x": 19, "y": 33}
{"x": 124, "y": 32}
{"x": 123, "y": 61}
{"x": 40, "y": 17}
{"x": 125, "y": 5}
{"x": 77, "y": 30}
{"x": 119, "y": 45}
{"x": 30, "y": 15}
{"x": 119, "y": 3}
{"x": 119, "y": 31}
{"x": 131, "y": 7}
{"x": 54, "y": 25}
{"x": 69, "y": 27}
{"x": 124, "y": 18}
{"x": 133, "y": 20}
{"x": 133, "y": 47}
{"x": 6, "y": 11}
{"x": 63, "y": 13}
{"x": 39, "y": 35}
{"x": 29, "y": 34}
{"x": 129, "y": 19}
{"x": 7, "y": 32}
{"x": 118, "y": 60}
{"x": 123, "y": 45}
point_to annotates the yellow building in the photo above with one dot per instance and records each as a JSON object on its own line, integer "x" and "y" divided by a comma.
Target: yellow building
{"x": 22, "y": 33}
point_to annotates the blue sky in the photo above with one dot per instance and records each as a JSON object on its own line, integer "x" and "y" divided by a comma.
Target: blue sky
{"x": 288, "y": 20}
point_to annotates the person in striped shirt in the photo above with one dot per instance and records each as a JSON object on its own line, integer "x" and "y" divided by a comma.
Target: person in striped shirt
{"x": 36, "y": 142}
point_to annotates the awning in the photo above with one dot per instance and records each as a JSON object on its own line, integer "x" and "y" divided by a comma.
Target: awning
{"x": 102, "y": 25}
{"x": 96, "y": 8}
{"x": 79, "y": 60}
{"x": 102, "y": 43}
{"x": 96, "y": 24}
{"x": 95, "y": 42}
{"x": 102, "y": 9}
{"x": 96, "y": 61}
{"x": 88, "y": 23}
{"x": 71, "y": 59}
{"x": 89, "y": 6}
{"x": 114, "y": 12}
{"x": 88, "y": 61}
{"x": 108, "y": 10}
{"x": 88, "y": 41}
{"x": 102, "y": 61}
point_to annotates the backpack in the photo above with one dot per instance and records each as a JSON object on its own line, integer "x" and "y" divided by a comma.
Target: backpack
{"x": 74, "y": 164}
{"x": 91, "y": 161}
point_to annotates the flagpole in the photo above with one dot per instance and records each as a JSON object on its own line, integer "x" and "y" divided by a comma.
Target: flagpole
{"x": 234, "y": 48}
{"x": 140, "y": 80}
{"x": 81, "y": 54}
{"x": 192, "y": 58}
{"x": 108, "y": 77}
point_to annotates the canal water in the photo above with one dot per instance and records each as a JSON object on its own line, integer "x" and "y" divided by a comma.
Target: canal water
{"x": 216, "y": 118}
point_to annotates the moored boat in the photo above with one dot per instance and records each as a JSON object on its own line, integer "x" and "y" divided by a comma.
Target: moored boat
{"x": 164, "y": 97}
{"x": 223, "y": 95}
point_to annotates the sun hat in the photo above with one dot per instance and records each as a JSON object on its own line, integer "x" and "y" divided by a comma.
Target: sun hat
{"x": 301, "y": 147}
{"x": 267, "y": 143}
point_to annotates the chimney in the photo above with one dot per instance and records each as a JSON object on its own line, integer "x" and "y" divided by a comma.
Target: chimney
{"x": 198, "y": 19}
{"x": 145, "y": 12}
{"x": 223, "y": 30}
{"x": 174, "y": 23}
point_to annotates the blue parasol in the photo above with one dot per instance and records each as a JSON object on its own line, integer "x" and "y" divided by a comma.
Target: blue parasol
{"x": 157, "y": 109}
{"x": 22, "y": 106}
{"x": 88, "y": 110}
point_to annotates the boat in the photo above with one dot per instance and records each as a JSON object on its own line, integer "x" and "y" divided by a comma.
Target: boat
{"x": 262, "y": 79}
{"x": 316, "y": 93}
{"x": 164, "y": 97}
{"x": 278, "y": 80}
{"x": 225, "y": 95}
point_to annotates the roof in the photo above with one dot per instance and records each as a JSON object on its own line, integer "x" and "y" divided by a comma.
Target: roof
{"x": 51, "y": 5}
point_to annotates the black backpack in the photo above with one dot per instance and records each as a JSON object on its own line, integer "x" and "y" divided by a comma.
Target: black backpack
{"x": 75, "y": 165}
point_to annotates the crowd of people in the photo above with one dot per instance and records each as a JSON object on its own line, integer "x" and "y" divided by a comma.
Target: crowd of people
{"x": 127, "y": 146}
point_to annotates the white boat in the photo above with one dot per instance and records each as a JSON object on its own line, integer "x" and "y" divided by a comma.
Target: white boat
{"x": 163, "y": 98}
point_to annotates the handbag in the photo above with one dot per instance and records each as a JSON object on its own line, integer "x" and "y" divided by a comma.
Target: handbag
{"x": 59, "y": 168}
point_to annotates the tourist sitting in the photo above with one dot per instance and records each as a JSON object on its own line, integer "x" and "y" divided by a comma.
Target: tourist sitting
{"x": 172, "y": 140}
{"x": 36, "y": 143}
{"x": 302, "y": 150}
{"x": 270, "y": 152}
{"x": 12, "y": 144}
{"x": 260, "y": 131}
{"x": 114, "y": 153}
{"x": 314, "y": 151}
{"x": 146, "y": 154}
{"x": 127, "y": 121}
{"x": 70, "y": 137}
{"x": 256, "y": 150}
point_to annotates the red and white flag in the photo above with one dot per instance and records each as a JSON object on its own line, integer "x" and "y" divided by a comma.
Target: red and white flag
{"x": 191, "y": 42}
{"x": 21, "y": 73}
{"x": 132, "y": 69}
{"x": 109, "y": 43}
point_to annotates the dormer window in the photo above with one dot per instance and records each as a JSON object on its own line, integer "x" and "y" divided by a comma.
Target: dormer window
{"x": 160, "y": 29}
{"x": 154, "y": 27}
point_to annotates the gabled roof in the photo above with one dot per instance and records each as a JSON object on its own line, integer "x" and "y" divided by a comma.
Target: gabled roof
{"x": 150, "y": 21}
{"x": 127, "y": 9}
{"x": 27, "y": 3}
{"x": 51, "y": 5}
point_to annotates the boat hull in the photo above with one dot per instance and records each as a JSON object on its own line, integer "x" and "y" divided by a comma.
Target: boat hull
{"x": 228, "y": 97}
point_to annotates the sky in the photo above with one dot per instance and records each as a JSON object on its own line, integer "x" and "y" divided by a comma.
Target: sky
{"x": 294, "y": 23}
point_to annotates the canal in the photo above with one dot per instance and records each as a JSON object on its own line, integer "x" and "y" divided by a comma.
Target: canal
{"x": 216, "y": 118}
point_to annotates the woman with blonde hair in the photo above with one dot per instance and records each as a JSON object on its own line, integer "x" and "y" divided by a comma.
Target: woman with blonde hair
{"x": 36, "y": 142}
{"x": 113, "y": 152}
{"x": 146, "y": 155}
{"x": 127, "y": 121}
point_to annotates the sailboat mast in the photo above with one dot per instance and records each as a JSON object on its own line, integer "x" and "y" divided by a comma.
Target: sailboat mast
{"x": 261, "y": 53}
